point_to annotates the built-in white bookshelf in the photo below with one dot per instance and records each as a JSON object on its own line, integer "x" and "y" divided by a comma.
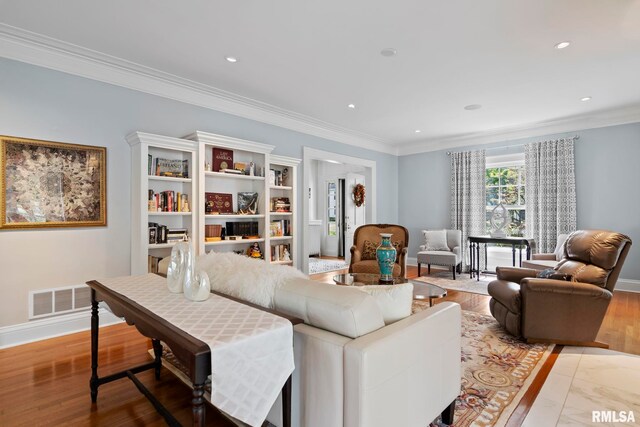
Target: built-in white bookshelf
{"x": 283, "y": 188}
{"x": 217, "y": 185}
{"x": 147, "y": 186}
{"x": 203, "y": 186}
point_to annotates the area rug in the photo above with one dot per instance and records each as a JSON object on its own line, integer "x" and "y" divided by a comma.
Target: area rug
{"x": 462, "y": 283}
{"x": 497, "y": 370}
{"x": 317, "y": 265}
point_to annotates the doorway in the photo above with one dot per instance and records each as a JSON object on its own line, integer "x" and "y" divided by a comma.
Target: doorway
{"x": 330, "y": 217}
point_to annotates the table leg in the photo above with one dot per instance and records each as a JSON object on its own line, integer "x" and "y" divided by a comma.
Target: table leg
{"x": 513, "y": 255}
{"x": 528, "y": 252}
{"x": 286, "y": 403}
{"x": 520, "y": 254}
{"x": 197, "y": 405}
{"x": 157, "y": 352}
{"x": 93, "y": 382}
{"x": 478, "y": 260}
{"x": 471, "y": 265}
{"x": 485, "y": 256}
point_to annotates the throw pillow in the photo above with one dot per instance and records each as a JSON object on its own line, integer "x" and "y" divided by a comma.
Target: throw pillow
{"x": 550, "y": 273}
{"x": 369, "y": 250}
{"x": 435, "y": 240}
{"x": 394, "y": 300}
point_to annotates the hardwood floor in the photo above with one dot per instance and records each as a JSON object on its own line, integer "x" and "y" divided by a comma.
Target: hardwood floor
{"x": 47, "y": 382}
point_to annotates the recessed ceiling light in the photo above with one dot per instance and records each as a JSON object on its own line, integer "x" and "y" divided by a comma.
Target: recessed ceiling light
{"x": 473, "y": 107}
{"x": 231, "y": 59}
{"x": 585, "y": 99}
{"x": 418, "y": 131}
{"x": 335, "y": 162}
{"x": 352, "y": 106}
{"x": 389, "y": 51}
{"x": 562, "y": 45}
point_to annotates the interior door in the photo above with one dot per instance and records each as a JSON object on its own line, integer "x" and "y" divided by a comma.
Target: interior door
{"x": 354, "y": 216}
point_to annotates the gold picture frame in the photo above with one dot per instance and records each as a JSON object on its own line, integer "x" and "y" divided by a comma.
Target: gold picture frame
{"x": 51, "y": 184}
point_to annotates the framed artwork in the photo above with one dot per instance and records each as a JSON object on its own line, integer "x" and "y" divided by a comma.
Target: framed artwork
{"x": 51, "y": 184}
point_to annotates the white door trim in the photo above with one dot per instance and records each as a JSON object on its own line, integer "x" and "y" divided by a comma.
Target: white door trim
{"x": 311, "y": 154}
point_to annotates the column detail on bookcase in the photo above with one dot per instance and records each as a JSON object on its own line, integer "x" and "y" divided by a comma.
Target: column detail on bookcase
{"x": 164, "y": 198}
{"x": 235, "y": 199}
{"x": 283, "y": 210}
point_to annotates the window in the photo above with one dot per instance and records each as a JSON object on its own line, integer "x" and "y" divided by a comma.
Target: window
{"x": 332, "y": 208}
{"x": 505, "y": 184}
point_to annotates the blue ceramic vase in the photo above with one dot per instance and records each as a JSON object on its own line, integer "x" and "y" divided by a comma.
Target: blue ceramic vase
{"x": 386, "y": 256}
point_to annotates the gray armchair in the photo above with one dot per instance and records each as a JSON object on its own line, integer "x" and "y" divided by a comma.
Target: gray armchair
{"x": 445, "y": 252}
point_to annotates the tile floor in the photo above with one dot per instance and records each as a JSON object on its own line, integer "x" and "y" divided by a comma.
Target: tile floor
{"x": 584, "y": 380}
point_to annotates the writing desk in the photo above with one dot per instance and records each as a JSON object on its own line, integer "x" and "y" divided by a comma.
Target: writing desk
{"x": 474, "y": 250}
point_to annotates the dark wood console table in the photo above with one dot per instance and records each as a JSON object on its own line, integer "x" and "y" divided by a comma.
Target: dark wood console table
{"x": 191, "y": 352}
{"x": 474, "y": 250}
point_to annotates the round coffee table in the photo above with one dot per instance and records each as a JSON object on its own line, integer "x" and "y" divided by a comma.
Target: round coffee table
{"x": 364, "y": 279}
{"x": 424, "y": 290}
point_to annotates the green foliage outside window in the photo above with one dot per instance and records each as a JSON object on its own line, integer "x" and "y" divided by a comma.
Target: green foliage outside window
{"x": 506, "y": 185}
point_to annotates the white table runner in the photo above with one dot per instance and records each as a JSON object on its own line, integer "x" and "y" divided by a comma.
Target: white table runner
{"x": 251, "y": 350}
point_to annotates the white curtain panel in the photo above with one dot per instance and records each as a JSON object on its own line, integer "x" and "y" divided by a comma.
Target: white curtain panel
{"x": 550, "y": 188}
{"x": 468, "y": 211}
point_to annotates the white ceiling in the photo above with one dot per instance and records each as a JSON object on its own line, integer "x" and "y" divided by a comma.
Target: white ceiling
{"x": 310, "y": 59}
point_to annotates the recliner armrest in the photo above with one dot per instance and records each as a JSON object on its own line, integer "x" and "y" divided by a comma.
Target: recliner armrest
{"x": 545, "y": 257}
{"x": 515, "y": 274}
{"x": 563, "y": 287}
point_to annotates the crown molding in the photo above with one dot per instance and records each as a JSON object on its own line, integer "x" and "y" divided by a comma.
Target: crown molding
{"x": 598, "y": 119}
{"x": 25, "y": 46}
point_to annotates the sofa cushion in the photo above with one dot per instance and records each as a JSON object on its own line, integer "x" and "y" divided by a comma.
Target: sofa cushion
{"x": 435, "y": 240}
{"x": 339, "y": 309}
{"x": 393, "y": 300}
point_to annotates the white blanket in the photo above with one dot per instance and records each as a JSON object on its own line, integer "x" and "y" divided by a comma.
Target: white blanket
{"x": 248, "y": 279}
{"x": 251, "y": 350}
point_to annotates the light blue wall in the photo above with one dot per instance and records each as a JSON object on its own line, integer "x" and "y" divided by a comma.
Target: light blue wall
{"x": 607, "y": 185}
{"x": 43, "y": 104}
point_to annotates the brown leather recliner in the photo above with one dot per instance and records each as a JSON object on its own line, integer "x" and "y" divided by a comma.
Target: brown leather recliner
{"x": 560, "y": 311}
{"x": 363, "y": 261}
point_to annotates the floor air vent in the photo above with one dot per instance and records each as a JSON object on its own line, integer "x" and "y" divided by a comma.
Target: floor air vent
{"x": 56, "y": 301}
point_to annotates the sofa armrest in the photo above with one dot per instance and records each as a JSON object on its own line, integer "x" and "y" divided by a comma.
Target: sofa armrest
{"x": 413, "y": 364}
{"x": 456, "y": 250}
{"x": 514, "y": 274}
{"x": 545, "y": 257}
{"x": 552, "y": 286}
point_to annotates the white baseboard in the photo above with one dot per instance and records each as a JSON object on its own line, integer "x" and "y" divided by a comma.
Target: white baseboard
{"x": 628, "y": 285}
{"x": 37, "y": 330}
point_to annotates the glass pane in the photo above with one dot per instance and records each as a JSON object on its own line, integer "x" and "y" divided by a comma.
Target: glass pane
{"x": 492, "y": 176}
{"x": 522, "y": 199}
{"x": 488, "y": 219}
{"x": 492, "y": 196}
{"x": 521, "y": 171}
{"x": 332, "y": 225}
{"x": 509, "y": 176}
{"x": 509, "y": 195}
{"x": 516, "y": 226}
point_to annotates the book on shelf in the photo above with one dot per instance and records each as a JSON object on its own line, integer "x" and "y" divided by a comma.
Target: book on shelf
{"x": 157, "y": 233}
{"x": 280, "y": 228}
{"x": 245, "y": 229}
{"x": 152, "y": 263}
{"x": 176, "y": 168}
{"x": 218, "y": 203}
{"x": 212, "y": 232}
{"x": 168, "y": 201}
{"x": 280, "y": 204}
{"x": 222, "y": 159}
{"x": 281, "y": 252}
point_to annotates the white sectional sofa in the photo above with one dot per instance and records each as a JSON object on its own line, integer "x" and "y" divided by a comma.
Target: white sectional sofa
{"x": 352, "y": 370}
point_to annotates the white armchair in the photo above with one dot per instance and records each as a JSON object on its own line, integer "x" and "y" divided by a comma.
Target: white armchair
{"x": 441, "y": 247}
